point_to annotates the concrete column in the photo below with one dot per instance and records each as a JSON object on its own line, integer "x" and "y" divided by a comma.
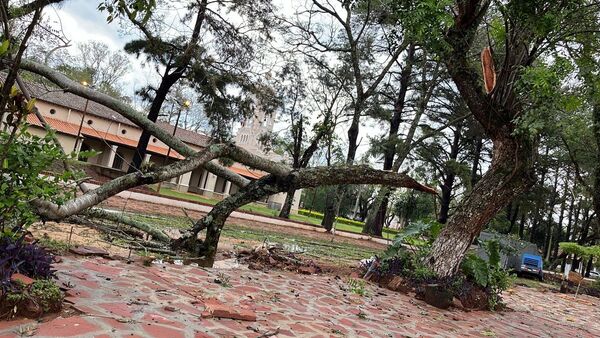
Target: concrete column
{"x": 211, "y": 182}
{"x": 202, "y": 179}
{"x": 184, "y": 182}
{"x": 147, "y": 158}
{"x": 111, "y": 156}
{"x": 227, "y": 187}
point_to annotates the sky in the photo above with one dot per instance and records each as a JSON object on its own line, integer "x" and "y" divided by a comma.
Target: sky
{"x": 81, "y": 21}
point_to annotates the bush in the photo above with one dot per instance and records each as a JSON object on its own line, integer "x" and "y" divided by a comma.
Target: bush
{"x": 42, "y": 296}
{"x": 26, "y": 258}
{"x": 23, "y": 159}
{"x": 31, "y": 260}
{"x": 405, "y": 257}
{"x": 319, "y": 215}
{"x": 17, "y": 256}
{"x": 489, "y": 275}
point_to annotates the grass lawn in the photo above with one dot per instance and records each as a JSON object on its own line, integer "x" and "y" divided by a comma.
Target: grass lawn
{"x": 323, "y": 249}
{"x": 262, "y": 210}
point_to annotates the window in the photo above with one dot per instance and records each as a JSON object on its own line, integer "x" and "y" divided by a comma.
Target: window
{"x": 124, "y": 131}
{"x": 52, "y": 111}
{"x": 90, "y": 122}
{"x": 154, "y": 140}
{"x": 118, "y": 161}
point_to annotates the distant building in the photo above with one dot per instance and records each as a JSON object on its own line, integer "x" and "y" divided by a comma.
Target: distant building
{"x": 115, "y": 138}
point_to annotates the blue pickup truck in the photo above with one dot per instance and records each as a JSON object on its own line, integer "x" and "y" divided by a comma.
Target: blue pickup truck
{"x": 527, "y": 264}
{"x": 518, "y": 256}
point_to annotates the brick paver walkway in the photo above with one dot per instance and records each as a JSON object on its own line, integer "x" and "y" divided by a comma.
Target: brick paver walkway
{"x": 130, "y": 300}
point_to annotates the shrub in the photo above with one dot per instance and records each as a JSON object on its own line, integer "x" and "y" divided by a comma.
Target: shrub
{"x": 488, "y": 274}
{"x": 46, "y": 293}
{"x": 24, "y": 157}
{"x": 357, "y": 286}
{"x": 26, "y": 258}
{"x": 319, "y": 215}
{"x": 32, "y": 301}
{"x": 405, "y": 257}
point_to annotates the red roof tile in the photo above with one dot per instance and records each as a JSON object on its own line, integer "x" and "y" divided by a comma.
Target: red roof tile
{"x": 71, "y": 129}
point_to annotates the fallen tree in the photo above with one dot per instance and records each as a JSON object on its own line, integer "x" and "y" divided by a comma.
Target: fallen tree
{"x": 281, "y": 178}
{"x": 214, "y": 221}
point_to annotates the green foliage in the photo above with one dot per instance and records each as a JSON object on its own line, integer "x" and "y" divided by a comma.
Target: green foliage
{"x": 357, "y": 286}
{"x": 413, "y": 206}
{"x": 140, "y": 10}
{"x": 46, "y": 293}
{"x": 408, "y": 264}
{"x": 580, "y": 250}
{"x": 4, "y": 47}
{"x": 43, "y": 293}
{"x": 542, "y": 90}
{"x": 406, "y": 256}
{"x": 421, "y": 21}
{"x": 488, "y": 274}
{"x": 476, "y": 268}
{"x": 419, "y": 234}
{"x": 25, "y": 158}
{"x": 319, "y": 215}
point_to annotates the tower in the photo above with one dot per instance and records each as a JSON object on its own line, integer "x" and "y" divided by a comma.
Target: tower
{"x": 252, "y": 128}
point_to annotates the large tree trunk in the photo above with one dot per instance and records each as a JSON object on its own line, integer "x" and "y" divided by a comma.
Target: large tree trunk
{"x": 510, "y": 174}
{"x": 287, "y": 205}
{"x": 374, "y": 224}
{"x": 548, "y": 232}
{"x": 522, "y": 226}
{"x": 331, "y": 203}
{"x": 450, "y": 176}
{"x": 513, "y": 213}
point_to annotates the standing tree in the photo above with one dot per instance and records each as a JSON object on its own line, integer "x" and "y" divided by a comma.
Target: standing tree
{"x": 514, "y": 99}
{"x": 299, "y": 103}
{"x": 349, "y": 32}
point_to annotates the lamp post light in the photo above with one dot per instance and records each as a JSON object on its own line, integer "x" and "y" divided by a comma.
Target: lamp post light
{"x": 185, "y": 105}
{"x": 87, "y": 101}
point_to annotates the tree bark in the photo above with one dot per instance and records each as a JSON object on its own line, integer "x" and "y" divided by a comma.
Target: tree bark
{"x": 476, "y": 158}
{"x": 522, "y": 226}
{"x": 512, "y": 217}
{"x": 374, "y": 225}
{"x": 214, "y": 221}
{"x": 449, "y": 177}
{"x": 510, "y": 174}
{"x": 287, "y": 205}
{"x": 330, "y": 208}
{"x": 548, "y": 232}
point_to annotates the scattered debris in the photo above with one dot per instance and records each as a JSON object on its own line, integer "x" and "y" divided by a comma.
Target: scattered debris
{"x": 274, "y": 256}
{"x": 215, "y": 308}
{"x": 170, "y": 308}
{"x": 269, "y": 333}
{"x": 17, "y": 277}
{"x": 89, "y": 251}
{"x": 223, "y": 280}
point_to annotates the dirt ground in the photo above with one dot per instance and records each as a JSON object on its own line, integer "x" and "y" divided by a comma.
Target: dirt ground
{"x": 122, "y": 204}
{"x": 79, "y": 236}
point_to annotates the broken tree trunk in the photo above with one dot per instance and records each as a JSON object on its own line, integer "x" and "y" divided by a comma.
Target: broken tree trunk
{"x": 214, "y": 221}
{"x": 509, "y": 176}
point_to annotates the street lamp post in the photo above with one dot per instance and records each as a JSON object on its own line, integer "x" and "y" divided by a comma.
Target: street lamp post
{"x": 87, "y": 101}
{"x": 186, "y": 104}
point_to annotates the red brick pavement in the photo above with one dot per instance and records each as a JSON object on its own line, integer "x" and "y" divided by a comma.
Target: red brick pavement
{"x": 129, "y": 300}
